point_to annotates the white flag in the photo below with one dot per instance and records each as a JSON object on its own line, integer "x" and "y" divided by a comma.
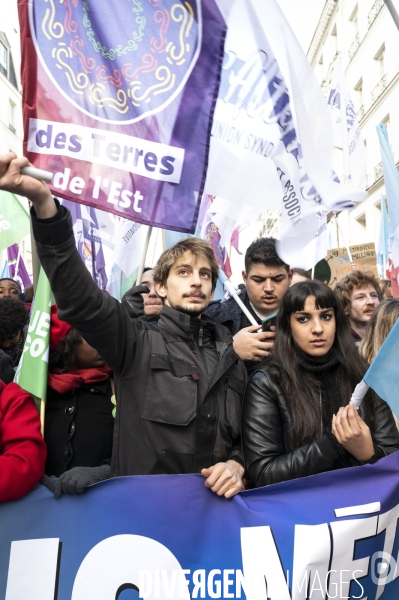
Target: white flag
{"x": 272, "y": 142}
{"x": 227, "y": 216}
{"x": 130, "y": 243}
{"x": 347, "y": 133}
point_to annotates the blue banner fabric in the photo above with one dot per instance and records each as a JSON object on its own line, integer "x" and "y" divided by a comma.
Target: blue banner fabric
{"x": 333, "y": 535}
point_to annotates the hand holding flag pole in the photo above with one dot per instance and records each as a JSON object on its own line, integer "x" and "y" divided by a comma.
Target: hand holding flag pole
{"x": 230, "y": 288}
{"x": 382, "y": 375}
{"x": 37, "y": 173}
{"x": 359, "y": 393}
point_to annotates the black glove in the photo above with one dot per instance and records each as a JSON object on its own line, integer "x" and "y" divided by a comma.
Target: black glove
{"x": 77, "y": 480}
{"x": 48, "y": 482}
{"x": 6, "y": 368}
{"x": 133, "y": 300}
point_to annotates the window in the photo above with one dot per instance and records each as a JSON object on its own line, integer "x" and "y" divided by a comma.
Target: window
{"x": 362, "y": 220}
{"x": 380, "y": 58}
{"x": 359, "y": 97}
{"x": 354, "y": 20}
{"x": 3, "y": 59}
{"x": 334, "y": 40}
{"x": 12, "y": 116}
{"x": 379, "y": 74}
{"x": 387, "y": 122}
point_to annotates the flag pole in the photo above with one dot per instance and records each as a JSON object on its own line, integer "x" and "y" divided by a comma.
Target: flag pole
{"x": 144, "y": 255}
{"x": 230, "y": 288}
{"x": 394, "y": 14}
{"x": 345, "y": 242}
{"x": 42, "y": 415}
{"x": 36, "y": 270}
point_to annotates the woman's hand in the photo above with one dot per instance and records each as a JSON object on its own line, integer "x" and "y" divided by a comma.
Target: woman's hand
{"x": 353, "y": 433}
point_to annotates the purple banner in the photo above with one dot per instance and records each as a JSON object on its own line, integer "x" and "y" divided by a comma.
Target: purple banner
{"x": 118, "y": 102}
{"x": 16, "y": 266}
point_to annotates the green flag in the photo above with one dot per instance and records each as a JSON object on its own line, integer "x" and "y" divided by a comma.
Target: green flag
{"x": 32, "y": 370}
{"x": 14, "y": 220}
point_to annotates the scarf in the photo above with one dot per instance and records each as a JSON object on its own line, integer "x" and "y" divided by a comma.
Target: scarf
{"x": 325, "y": 373}
{"x": 64, "y": 382}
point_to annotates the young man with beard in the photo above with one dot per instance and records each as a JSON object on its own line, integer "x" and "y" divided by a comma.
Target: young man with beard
{"x": 179, "y": 382}
{"x": 360, "y": 294}
{"x": 267, "y": 278}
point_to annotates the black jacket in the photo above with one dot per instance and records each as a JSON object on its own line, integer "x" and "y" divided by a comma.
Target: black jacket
{"x": 7, "y": 372}
{"x": 230, "y": 314}
{"x": 79, "y": 427}
{"x": 267, "y": 433}
{"x": 170, "y": 418}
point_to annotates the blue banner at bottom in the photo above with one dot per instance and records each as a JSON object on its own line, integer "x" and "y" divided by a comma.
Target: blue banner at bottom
{"x": 332, "y": 535}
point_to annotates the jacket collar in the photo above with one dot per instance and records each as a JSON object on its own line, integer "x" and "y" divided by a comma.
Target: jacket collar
{"x": 179, "y": 323}
{"x": 175, "y": 321}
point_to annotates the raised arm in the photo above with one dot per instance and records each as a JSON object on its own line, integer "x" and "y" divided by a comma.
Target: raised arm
{"x": 11, "y": 180}
{"x": 100, "y": 319}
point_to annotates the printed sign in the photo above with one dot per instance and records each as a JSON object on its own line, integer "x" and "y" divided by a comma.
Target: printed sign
{"x": 336, "y": 264}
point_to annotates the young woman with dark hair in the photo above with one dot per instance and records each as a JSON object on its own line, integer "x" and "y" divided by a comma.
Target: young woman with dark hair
{"x": 297, "y": 420}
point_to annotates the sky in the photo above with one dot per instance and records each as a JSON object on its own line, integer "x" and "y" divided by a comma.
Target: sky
{"x": 303, "y": 16}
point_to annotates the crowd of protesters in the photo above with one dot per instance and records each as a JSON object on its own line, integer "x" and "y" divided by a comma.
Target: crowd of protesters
{"x": 168, "y": 381}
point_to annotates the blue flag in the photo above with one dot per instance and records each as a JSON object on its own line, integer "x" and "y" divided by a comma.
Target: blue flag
{"x": 391, "y": 178}
{"x": 383, "y": 374}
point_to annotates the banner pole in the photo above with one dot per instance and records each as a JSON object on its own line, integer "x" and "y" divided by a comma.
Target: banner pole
{"x": 155, "y": 248}
{"x": 18, "y": 259}
{"x": 42, "y": 416}
{"x": 35, "y": 260}
{"x": 144, "y": 255}
{"x": 345, "y": 242}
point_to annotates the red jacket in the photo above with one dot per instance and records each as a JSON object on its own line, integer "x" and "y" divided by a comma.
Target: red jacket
{"x": 22, "y": 448}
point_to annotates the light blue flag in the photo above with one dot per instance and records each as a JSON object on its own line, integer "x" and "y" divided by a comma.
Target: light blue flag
{"x": 383, "y": 374}
{"x": 391, "y": 179}
{"x": 6, "y": 271}
{"x": 383, "y": 244}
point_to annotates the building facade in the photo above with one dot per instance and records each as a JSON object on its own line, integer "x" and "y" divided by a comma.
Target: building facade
{"x": 364, "y": 35}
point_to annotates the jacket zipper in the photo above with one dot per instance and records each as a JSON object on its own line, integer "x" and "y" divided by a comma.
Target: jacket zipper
{"x": 201, "y": 348}
{"x": 321, "y": 415}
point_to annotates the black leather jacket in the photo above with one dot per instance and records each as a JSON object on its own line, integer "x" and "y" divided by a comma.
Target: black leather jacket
{"x": 267, "y": 434}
